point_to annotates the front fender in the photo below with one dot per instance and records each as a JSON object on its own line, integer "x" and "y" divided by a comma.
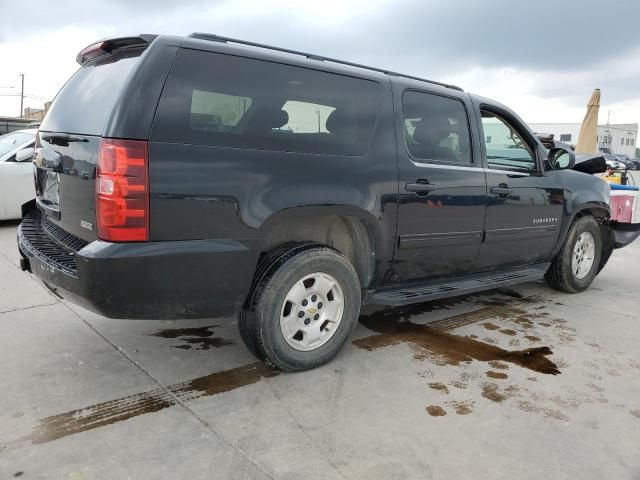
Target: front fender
{"x": 584, "y": 194}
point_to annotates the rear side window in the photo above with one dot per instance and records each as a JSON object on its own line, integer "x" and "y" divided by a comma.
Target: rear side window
{"x": 224, "y": 100}
{"x": 436, "y": 128}
{"x": 84, "y": 104}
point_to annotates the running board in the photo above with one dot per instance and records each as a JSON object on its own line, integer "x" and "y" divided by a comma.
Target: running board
{"x": 424, "y": 292}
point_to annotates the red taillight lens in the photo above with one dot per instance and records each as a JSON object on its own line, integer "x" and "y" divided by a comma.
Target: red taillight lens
{"x": 122, "y": 191}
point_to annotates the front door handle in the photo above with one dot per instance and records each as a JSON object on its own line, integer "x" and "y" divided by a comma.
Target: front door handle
{"x": 421, "y": 187}
{"x": 502, "y": 190}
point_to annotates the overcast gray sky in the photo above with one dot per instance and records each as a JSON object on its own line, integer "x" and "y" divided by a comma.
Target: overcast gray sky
{"x": 541, "y": 58}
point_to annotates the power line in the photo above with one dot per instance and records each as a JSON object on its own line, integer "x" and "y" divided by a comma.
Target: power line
{"x": 26, "y": 95}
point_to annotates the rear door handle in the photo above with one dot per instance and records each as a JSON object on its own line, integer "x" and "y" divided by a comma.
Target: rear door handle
{"x": 420, "y": 187}
{"x": 502, "y": 191}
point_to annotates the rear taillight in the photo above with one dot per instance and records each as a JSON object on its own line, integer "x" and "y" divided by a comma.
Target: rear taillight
{"x": 122, "y": 191}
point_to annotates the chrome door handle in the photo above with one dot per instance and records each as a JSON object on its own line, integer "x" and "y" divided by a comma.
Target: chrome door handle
{"x": 421, "y": 188}
{"x": 502, "y": 191}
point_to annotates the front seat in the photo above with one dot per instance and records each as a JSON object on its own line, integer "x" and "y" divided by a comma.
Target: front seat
{"x": 339, "y": 123}
{"x": 266, "y": 119}
{"x": 428, "y": 134}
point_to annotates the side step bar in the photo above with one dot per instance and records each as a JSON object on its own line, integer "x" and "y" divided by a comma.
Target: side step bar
{"x": 424, "y": 292}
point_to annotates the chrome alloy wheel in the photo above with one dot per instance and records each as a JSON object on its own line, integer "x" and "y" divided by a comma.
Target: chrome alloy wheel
{"x": 312, "y": 311}
{"x": 583, "y": 255}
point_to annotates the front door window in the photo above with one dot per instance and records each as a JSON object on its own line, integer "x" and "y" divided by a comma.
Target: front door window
{"x": 506, "y": 149}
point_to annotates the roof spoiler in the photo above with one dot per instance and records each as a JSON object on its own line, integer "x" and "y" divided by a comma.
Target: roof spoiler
{"x": 107, "y": 46}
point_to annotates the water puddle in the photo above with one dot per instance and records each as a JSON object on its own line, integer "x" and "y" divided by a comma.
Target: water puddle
{"x": 448, "y": 348}
{"x": 436, "y": 411}
{"x": 392, "y": 326}
{"x": 196, "y": 338}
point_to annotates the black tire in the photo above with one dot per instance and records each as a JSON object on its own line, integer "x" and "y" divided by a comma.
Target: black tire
{"x": 560, "y": 274}
{"x": 259, "y": 322}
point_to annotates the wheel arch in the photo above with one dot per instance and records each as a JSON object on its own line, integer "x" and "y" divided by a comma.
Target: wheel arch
{"x": 599, "y": 210}
{"x": 351, "y": 231}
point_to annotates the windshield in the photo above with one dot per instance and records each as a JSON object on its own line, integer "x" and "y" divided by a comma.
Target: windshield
{"x": 11, "y": 141}
{"x": 85, "y": 103}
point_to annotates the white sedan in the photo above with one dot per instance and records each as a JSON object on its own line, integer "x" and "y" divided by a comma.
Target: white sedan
{"x": 16, "y": 172}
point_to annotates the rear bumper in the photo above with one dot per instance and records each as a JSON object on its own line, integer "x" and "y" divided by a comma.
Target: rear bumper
{"x": 161, "y": 280}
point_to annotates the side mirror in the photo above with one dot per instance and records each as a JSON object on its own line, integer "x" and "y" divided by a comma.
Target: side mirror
{"x": 26, "y": 154}
{"x": 561, "y": 159}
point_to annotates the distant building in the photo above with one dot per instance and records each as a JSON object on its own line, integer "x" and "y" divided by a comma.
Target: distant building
{"x": 621, "y": 138}
{"x": 36, "y": 113}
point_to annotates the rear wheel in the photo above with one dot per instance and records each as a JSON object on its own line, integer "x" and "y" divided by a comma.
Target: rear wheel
{"x": 303, "y": 307}
{"x": 576, "y": 265}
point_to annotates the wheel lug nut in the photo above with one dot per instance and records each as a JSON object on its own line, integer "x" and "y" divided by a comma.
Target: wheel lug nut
{"x": 307, "y": 321}
{"x": 320, "y": 305}
{"x": 316, "y": 316}
{"x": 300, "y": 314}
{"x": 304, "y": 303}
{"x": 314, "y": 298}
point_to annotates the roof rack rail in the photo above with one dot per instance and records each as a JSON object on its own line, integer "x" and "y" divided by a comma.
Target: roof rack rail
{"x": 311, "y": 56}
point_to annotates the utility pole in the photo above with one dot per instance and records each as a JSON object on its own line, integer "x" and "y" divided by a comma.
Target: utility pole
{"x": 22, "y": 95}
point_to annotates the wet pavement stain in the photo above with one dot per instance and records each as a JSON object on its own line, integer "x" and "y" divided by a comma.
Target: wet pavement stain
{"x": 392, "y": 326}
{"x": 113, "y": 411}
{"x": 448, "y": 348}
{"x": 462, "y": 408}
{"x": 635, "y": 413}
{"x": 490, "y": 391}
{"x": 512, "y": 293}
{"x": 508, "y": 331}
{"x": 529, "y": 407}
{"x": 458, "y": 384}
{"x": 532, "y": 338}
{"x": 436, "y": 411}
{"x": 498, "y": 375}
{"x": 197, "y": 338}
{"x": 439, "y": 386}
{"x": 490, "y": 326}
{"x": 498, "y": 365}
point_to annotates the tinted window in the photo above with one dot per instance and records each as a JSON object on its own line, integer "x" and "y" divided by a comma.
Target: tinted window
{"x": 436, "y": 128}
{"x": 86, "y": 101}
{"x": 216, "y": 99}
{"x": 505, "y": 146}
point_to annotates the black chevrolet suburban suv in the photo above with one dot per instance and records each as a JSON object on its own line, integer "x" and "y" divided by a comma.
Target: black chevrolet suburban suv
{"x": 199, "y": 176}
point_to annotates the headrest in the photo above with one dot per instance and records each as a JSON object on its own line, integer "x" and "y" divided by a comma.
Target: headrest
{"x": 432, "y": 130}
{"x": 268, "y": 118}
{"x": 338, "y": 121}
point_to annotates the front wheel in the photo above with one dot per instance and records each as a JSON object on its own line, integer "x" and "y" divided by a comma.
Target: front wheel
{"x": 303, "y": 309}
{"x": 576, "y": 265}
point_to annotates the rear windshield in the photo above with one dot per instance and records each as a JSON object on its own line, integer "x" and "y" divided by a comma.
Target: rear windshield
{"x": 85, "y": 103}
{"x": 224, "y": 100}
